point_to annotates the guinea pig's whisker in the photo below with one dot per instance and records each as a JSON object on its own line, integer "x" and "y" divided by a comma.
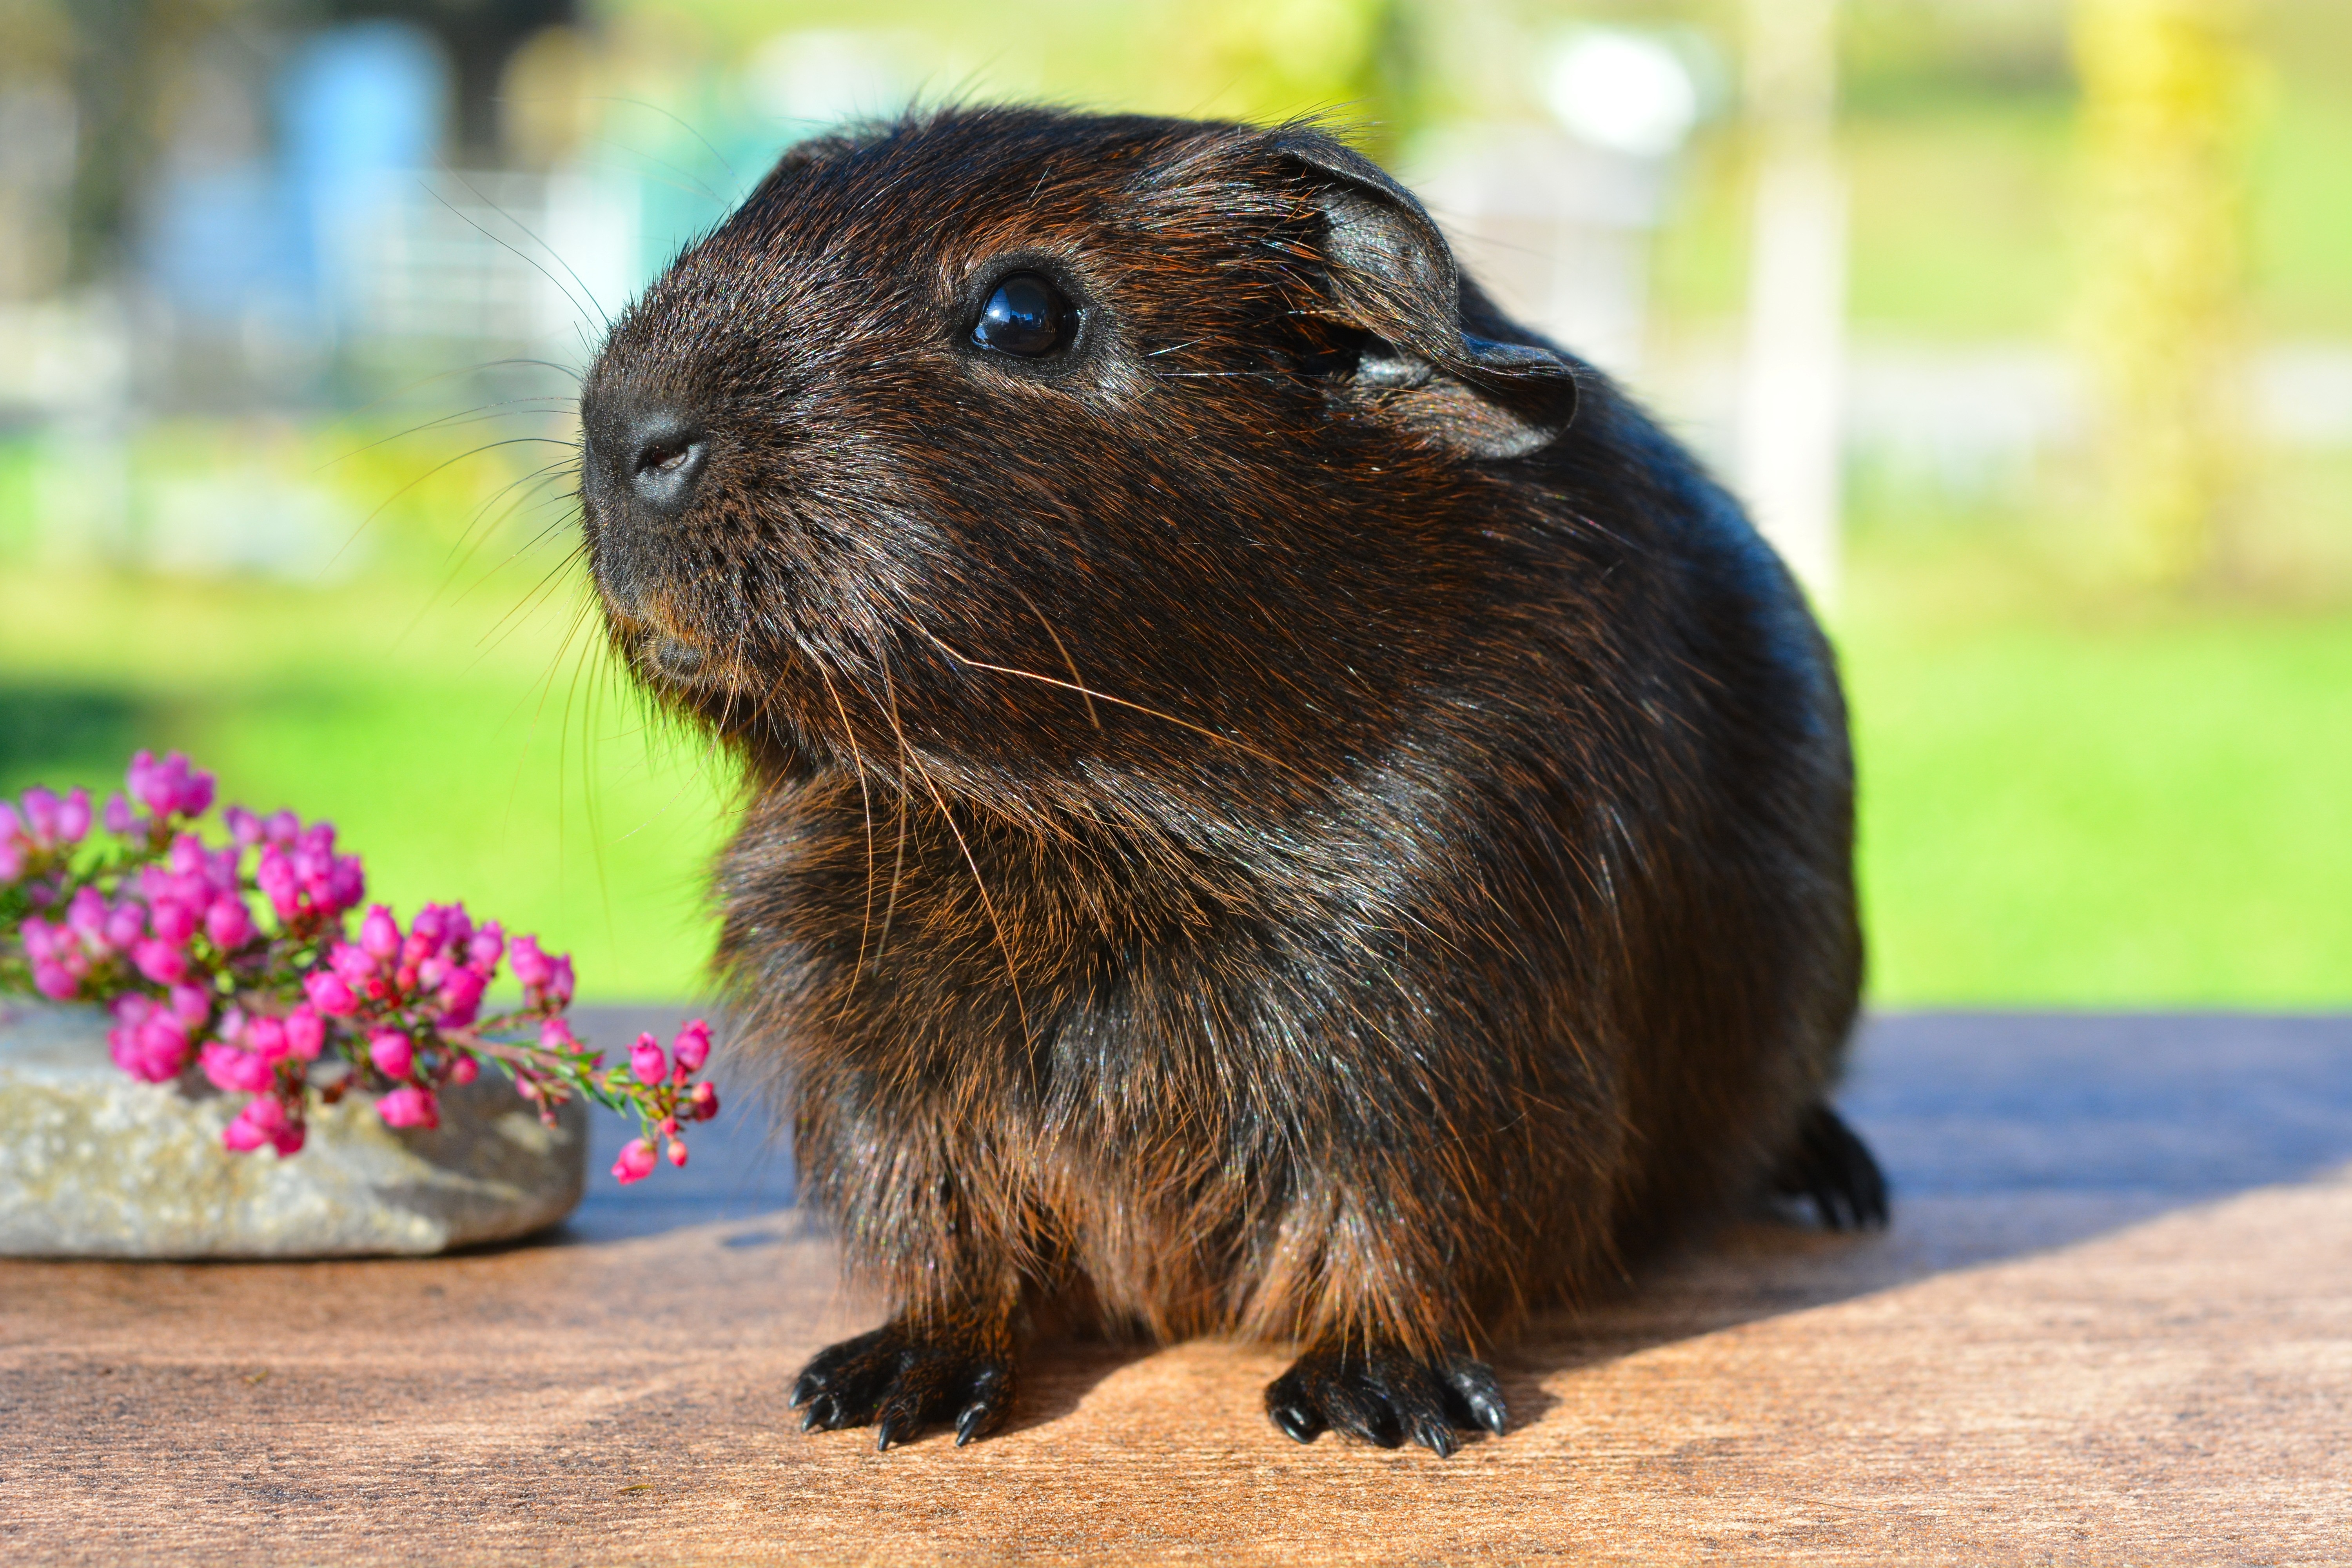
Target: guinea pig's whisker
{"x": 865, "y": 808}
{"x": 1092, "y": 716}
{"x": 1120, "y": 701}
{"x": 519, "y": 252}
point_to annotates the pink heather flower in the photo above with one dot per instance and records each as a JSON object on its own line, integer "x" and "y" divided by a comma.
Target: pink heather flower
{"x": 276, "y": 876}
{"x": 125, "y": 924}
{"x": 229, "y": 924}
{"x": 705, "y": 1101}
{"x": 118, "y": 818}
{"x": 306, "y": 1034}
{"x": 12, "y": 857}
{"x": 485, "y": 950}
{"x": 160, "y": 962}
{"x": 352, "y": 963}
{"x": 328, "y": 994}
{"x": 692, "y": 1047}
{"x": 187, "y": 856}
{"x": 461, "y": 998}
{"x": 559, "y": 984}
{"x": 555, "y": 1035}
{"x": 532, "y": 969}
{"x": 429, "y": 974}
{"x": 281, "y": 827}
{"x": 54, "y": 979}
{"x": 635, "y": 1163}
{"x": 41, "y": 940}
{"x": 456, "y": 926}
{"x": 73, "y": 818}
{"x": 172, "y": 922}
{"x": 427, "y": 925}
{"x": 464, "y": 1069}
{"x": 677, "y": 1153}
{"x": 646, "y": 1061}
{"x": 288, "y": 1139}
{"x": 379, "y": 934}
{"x": 265, "y": 1036}
{"x": 41, "y": 815}
{"x": 160, "y": 1049}
{"x": 11, "y": 825}
{"x": 260, "y": 1122}
{"x": 234, "y": 1071}
{"x": 409, "y": 1105}
{"x": 86, "y": 915}
{"x": 191, "y": 1006}
{"x": 346, "y": 883}
{"x": 393, "y": 1053}
{"x": 244, "y": 828}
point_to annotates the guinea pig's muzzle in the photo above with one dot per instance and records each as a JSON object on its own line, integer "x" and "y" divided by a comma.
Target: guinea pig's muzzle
{"x": 642, "y": 459}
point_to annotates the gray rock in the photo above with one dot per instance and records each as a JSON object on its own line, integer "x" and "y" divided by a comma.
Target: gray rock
{"x": 94, "y": 1164}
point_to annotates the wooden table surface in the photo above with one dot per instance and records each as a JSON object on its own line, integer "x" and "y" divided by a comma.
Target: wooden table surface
{"x": 2112, "y": 1324}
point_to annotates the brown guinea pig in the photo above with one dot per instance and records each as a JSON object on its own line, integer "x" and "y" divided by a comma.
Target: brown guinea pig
{"x": 1279, "y": 803}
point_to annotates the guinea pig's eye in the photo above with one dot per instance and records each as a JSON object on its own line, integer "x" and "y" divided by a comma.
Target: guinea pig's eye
{"x": 1026, "y": 316}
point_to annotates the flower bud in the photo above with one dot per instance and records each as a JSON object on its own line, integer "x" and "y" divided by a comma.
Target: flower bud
{"x": 54, "y": 979}
{"x": 409, "y": 1105}
{"x": 393, "y": 1053}
{"x": 635, "y": 1163}
{"x": 86, "y": 915}
{"x": 555, "y": 1035}
{"x": 277, "y": 880}
{"x": 42, "y": 940}
{"x": 234, "y": 1071}
{"x": 41, "y": 815}
{"x": 464, "y": 1069}
{"x": 559, "y": 984}
{"x": 646, "y": 1061}
{"x": 306, "y": 1035}
{"x": 461, "y": 997}
{"x": 705, "y": 1101}
{"x": 265, "y": 1036}
{"x": 532, "y": 969}
{"x": 244, "y": 828}
{"x": 229, "y": 924}
{"x": 328, "y": 994}
{"x": 288, "y": 1139}
{"x": 73, "y": 818}
{"x": 160, "y": 962}
{"x": 282, "y": 829}
{"x": 379, "y": 934}
{"x": 346, "y": 883}
{"x": 118, "y": 817}
{"x": 693, "y": 1046}
{"x": 351, "y": 962}
{"x": 486, "y": 948}
{"x": 192, "y": 1004}
{"x": 677, "y": 1153}
{"x": 244, "y": 1134}
{"x": 12, "y": 857}
{"x": 172, "y": 922}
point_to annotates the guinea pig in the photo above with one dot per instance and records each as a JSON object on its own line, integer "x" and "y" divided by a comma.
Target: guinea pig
{"x": 1278, "y": 804}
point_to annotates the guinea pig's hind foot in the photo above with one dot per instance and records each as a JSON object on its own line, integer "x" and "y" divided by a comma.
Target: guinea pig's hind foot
{"x": 1832, "y": 1168}
{"x": 898, "y": 1382}
{"x": 1385, "y": 1395}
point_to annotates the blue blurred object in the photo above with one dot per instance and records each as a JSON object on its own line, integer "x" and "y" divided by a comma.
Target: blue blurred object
{"x": 360, "y": 107}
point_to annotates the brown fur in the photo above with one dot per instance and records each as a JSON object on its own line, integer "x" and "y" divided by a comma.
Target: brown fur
{"x": 1304, "y": 816}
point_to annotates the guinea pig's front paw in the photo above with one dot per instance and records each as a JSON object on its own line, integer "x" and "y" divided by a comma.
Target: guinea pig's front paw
{"x": 898, "y": 1382}
{"x": 1385, "y": 1395}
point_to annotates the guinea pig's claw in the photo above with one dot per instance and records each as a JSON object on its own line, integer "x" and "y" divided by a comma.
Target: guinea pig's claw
{"x": 899, "y": 1384}
{"x": 1386, "y": 1397}
{"x": 1298, "y": 1422}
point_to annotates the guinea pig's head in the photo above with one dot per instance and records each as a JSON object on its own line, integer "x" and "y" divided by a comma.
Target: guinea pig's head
{"x": 1077, "y": 461}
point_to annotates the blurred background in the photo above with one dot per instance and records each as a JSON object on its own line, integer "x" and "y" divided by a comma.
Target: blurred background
{"x": 2025, "y": 325}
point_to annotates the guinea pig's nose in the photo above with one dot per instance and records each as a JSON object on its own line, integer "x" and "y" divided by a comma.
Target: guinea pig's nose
{"x": 645, "y": 450}
{"x": 662, "y": 454}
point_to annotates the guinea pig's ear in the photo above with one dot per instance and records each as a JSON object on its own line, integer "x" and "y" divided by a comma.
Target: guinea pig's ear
{"x": 1392, "y": 275}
